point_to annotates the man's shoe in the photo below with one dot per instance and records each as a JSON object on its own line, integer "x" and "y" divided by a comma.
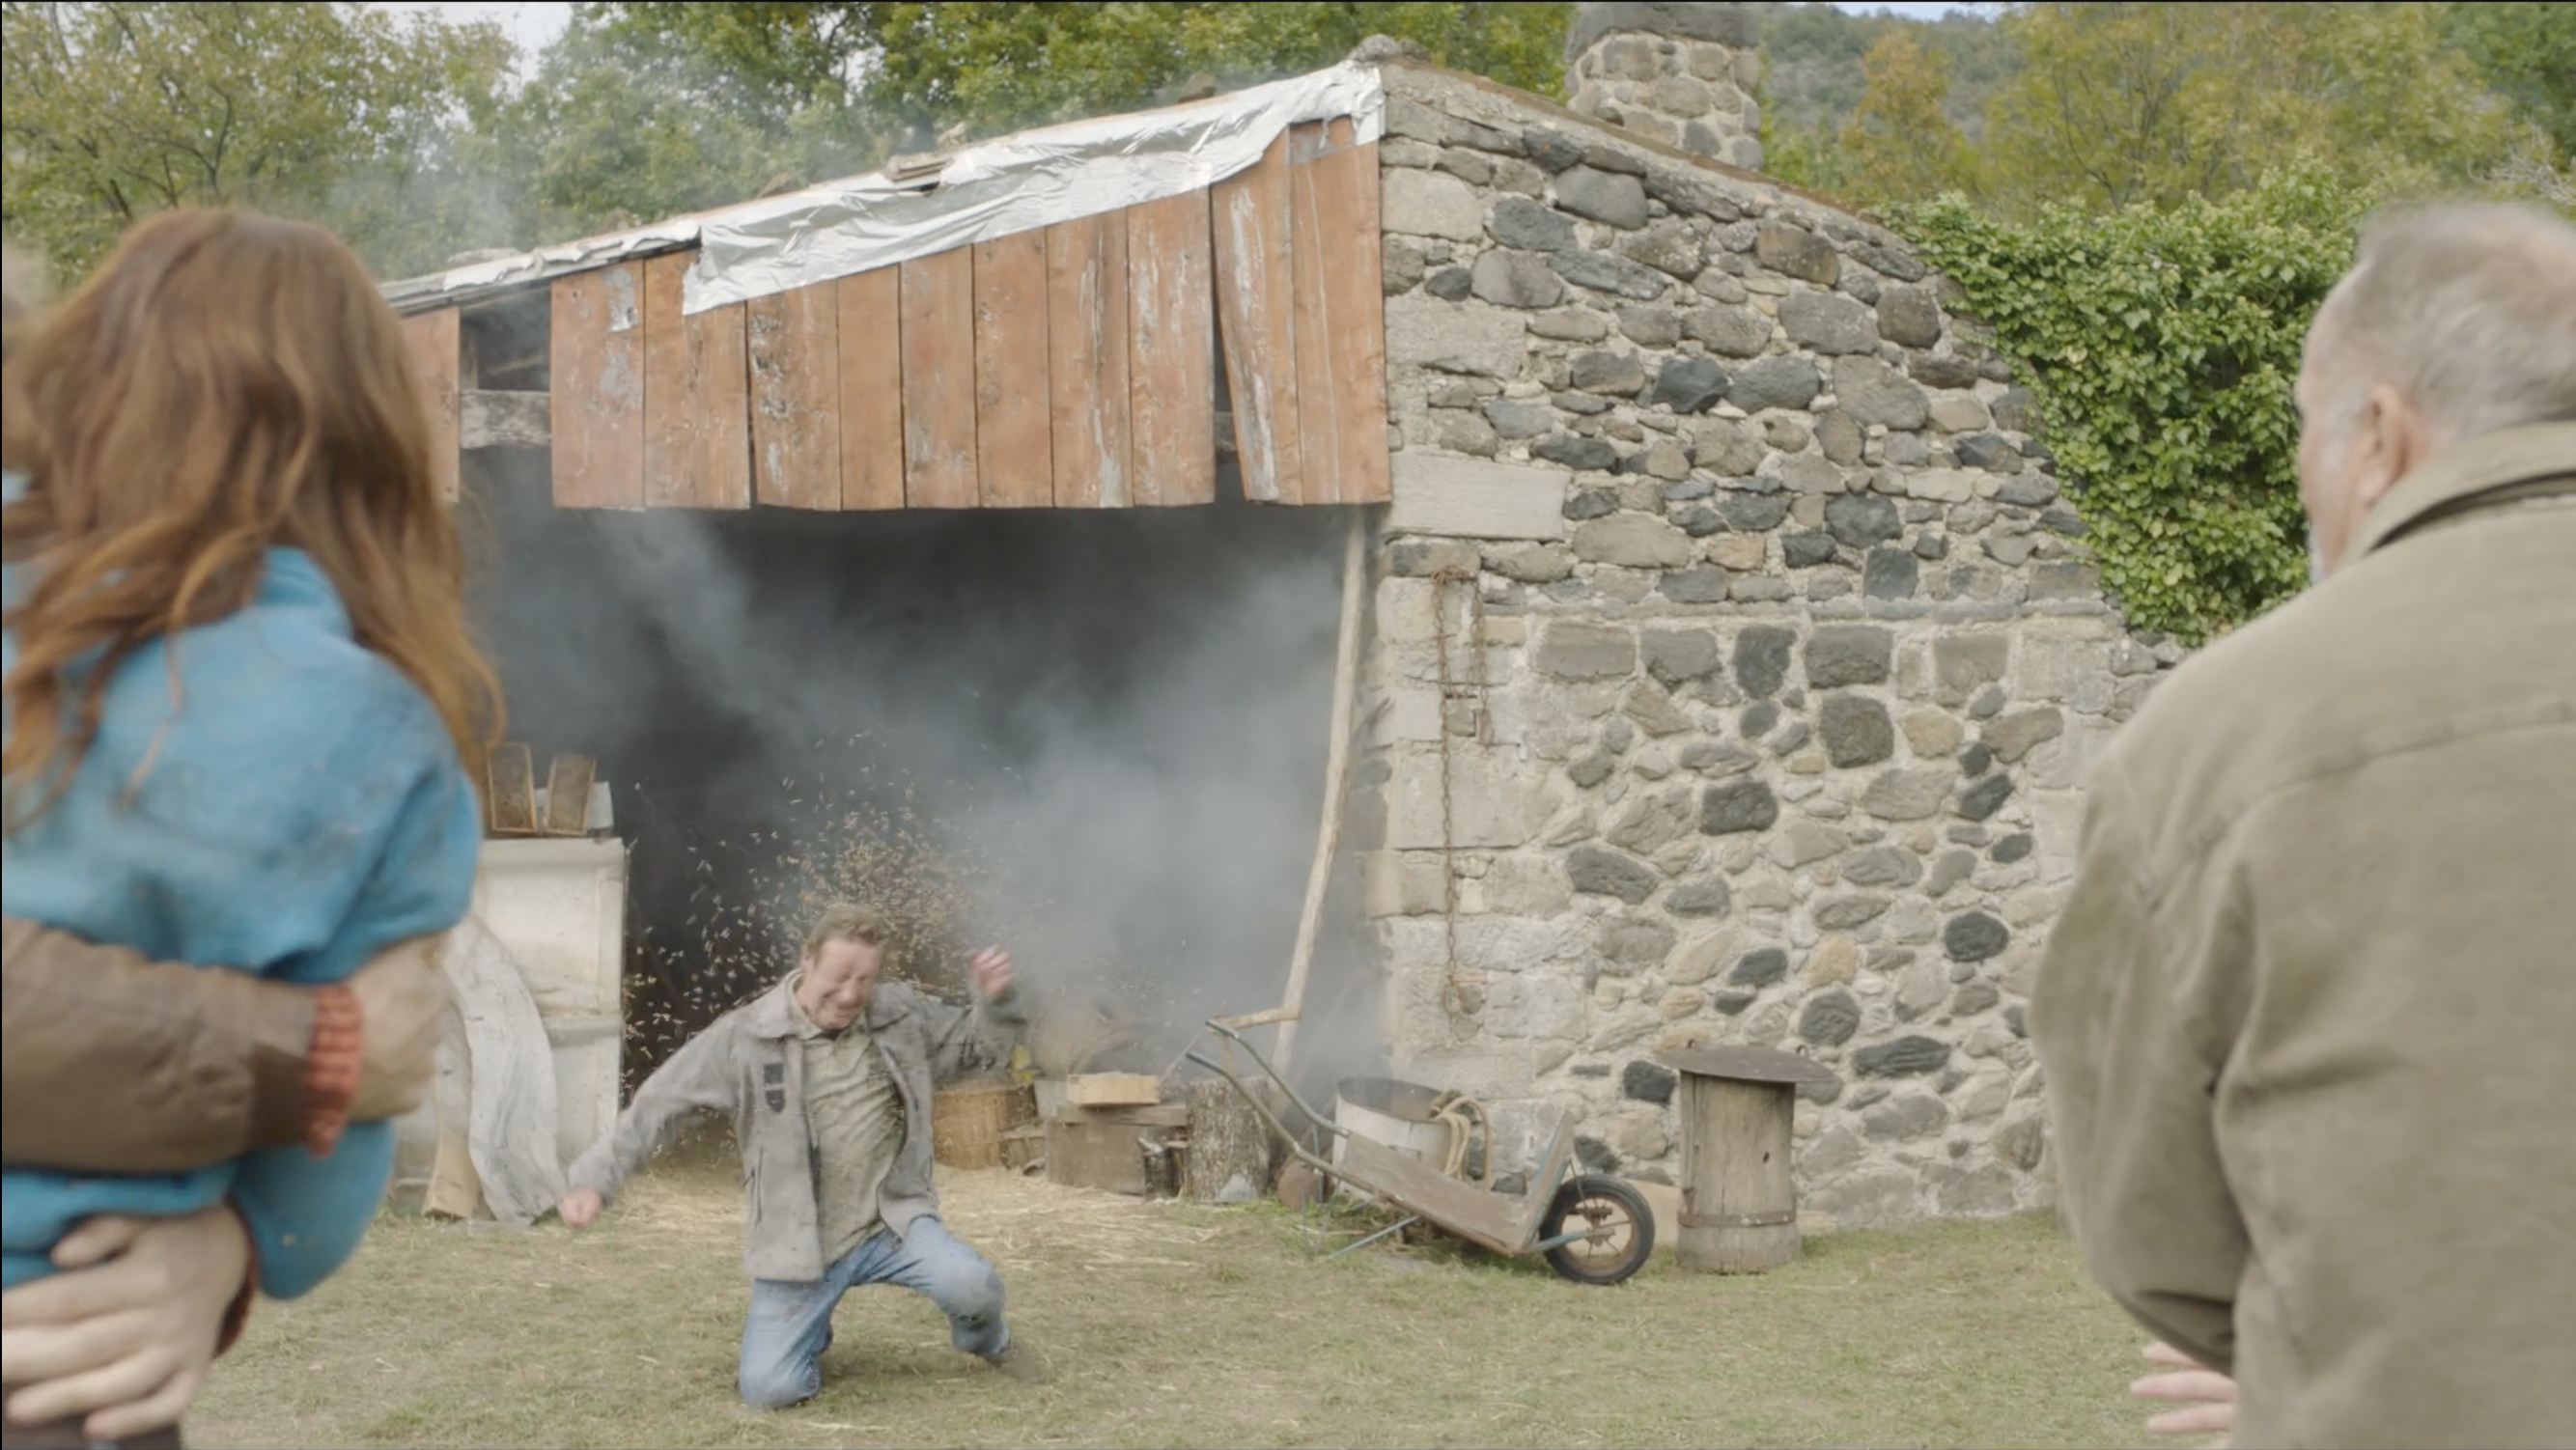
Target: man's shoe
{"x": 1019, "y": 1362}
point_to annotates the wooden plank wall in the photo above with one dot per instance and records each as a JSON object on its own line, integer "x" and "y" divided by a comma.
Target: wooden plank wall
{"x": 437, "y": 353}
{"x": 1068, "y": 367}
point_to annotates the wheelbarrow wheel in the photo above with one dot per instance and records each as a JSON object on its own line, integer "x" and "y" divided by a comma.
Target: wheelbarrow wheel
{"x": 1617, "y": 1226}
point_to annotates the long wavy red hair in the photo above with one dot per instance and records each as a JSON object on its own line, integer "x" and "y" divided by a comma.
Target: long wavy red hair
{"x": 225, "y": 383}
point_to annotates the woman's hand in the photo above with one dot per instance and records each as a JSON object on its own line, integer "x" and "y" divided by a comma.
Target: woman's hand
{"x": 2208, "y": 1398}
{"x": 123, "y": 1334}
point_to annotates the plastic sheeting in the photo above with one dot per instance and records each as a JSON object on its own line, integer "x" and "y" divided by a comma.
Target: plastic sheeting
{"x": 1013, "y": 184}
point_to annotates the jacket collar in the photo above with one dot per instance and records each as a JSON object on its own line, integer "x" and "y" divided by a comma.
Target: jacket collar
{"x": 2459, "y": 473}
{"x": 771, "y": 1014}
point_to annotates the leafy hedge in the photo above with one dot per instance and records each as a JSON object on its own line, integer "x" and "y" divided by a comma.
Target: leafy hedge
{"x": 2161, "y": 348}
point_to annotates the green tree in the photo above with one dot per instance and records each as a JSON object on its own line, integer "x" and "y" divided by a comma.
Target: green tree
{"x": 997, "y": 67}
{"x": 2123, "y": 103}
{"x": 1899, "y": 145}
{"x": 2528, "y": 54}
{"x": 335, "y": 114}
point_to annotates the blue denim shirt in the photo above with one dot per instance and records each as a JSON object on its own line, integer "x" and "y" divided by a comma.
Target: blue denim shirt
{"x": 293, "y": 807}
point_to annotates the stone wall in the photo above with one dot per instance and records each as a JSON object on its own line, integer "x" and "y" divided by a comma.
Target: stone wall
{"x": 1680, "y": 73}
{"x": 1741, "y": 617}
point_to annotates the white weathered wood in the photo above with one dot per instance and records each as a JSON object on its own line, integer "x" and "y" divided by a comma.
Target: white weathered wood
{"x": 497, "y": 1043}
{"x": 492, "y": 419}
{"x": 1471, "y": 498}
{"x": 1328, "y": 836}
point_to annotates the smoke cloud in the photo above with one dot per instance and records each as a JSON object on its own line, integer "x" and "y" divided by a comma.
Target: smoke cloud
{"x": 1097, "y": 738}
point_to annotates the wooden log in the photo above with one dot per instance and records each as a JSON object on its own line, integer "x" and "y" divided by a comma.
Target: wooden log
{"x": 1227, "y": 1139}
{"x": 1739, "y": 1205}
{"x": 1337, "y": 750}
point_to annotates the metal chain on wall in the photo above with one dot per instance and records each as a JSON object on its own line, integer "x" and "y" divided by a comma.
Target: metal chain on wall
{"x": 1453, "y": 982}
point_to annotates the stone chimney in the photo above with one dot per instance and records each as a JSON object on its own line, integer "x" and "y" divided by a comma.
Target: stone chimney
{"x": 1680, "y": 73}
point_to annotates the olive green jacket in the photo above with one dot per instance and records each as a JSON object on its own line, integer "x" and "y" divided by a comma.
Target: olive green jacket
{"x": 2308, "y": 1019}
{"x": 749, "y": 1063}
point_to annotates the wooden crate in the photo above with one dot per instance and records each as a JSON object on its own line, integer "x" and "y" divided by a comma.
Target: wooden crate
{"x": 1113, "y": 1090}
{"x": 1105, "y": 1147}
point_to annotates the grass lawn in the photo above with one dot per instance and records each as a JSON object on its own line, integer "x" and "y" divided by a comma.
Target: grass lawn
{"x": 1166, "y": 1324}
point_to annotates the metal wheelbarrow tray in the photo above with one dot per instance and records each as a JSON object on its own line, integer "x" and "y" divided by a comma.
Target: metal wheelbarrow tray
{"x": 1535, "y": 1220}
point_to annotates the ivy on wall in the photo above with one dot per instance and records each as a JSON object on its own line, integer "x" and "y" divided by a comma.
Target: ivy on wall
{"x": 2161, "y": 348}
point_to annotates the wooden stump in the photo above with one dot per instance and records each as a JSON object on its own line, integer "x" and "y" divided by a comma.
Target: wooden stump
{"x": 1227, "y": 1138}
{"x": 1739, "y": 1208}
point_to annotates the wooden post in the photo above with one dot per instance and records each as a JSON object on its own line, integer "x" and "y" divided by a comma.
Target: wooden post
{"x": 1227, "y": 1137}
{"x": 1328, "y": 836}
{"x": 1739, "y": 1208}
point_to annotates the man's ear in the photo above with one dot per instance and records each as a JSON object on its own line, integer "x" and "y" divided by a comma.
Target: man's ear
{"x": 2400, "y": 439}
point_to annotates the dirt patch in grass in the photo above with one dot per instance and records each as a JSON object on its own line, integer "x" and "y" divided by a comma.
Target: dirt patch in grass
{"x": 1167, "y": 1324}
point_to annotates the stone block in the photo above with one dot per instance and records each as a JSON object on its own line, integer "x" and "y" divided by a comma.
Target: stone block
{"x": 1742, "y": 553}
{"x": 1394, "y": 883}
{"x": 1940, "y": 485}
{"x": 1705, "y": 584}
{"x": 1834, "y": 961}
{"x": 1494, "y": 802}
{"x": 1580, "y": 650}
{"x": 1516, "y": 279}
{"x": 1479, "y": 341}
{"x": 1584, "y": 455}
{"x": 1875, "y": 394}
{"x": 1829, "y": 1020}
{"x": 1774, "y": 382}
{"x": 1450, "y": 284}
{"x": 1476, "y": 498}
{"x": 1636, "y": 942}
{"x": 1905, "y": 1119}
{"x": 1933, "y": 734}
{"x": 1828, "y": 322}
{"x": 1605, "y": 272}
{"x": 1650, "y": 326}
{"x": 1907, "y": 795}
{"x": 1599, "y": 871}
{"x": 1431, "y": 204}
{"x": 1728, "y": 331}
{"x": 1858, "y": 520}
{"x": 1847, "y": 654}
{"x": 1570, "y": 324}
{"x": 1959, "y": 413}
{"x": 1804, "y": 841}
{"x": 1909, "y": 316}
{"x": 1619, "y": 374}
{"x": 1792, "y": 250}
{"x": 1689, "y": 384}
{"x": 1890, "y": 574}
{"x": 1762, "y": 658}
{"x": 1611, "y": 197}
{"x": 1855, "y": 729}
{"x": 1519, "y": 221}
{"x": 1654, "y": 710}
{"x": 1964, "y": 663}
{"x": 1632, "y": 541}
{"x": 1700, "y": 958}
{"x": 2013, "y": 736}
{"x": 1738, "y": 806}
{"x": 1986, "y": 797}
{"x": 1974, "y": 937}
{"x": 1882, "y": 866}
{"x": 1669, "y": 246}
{"x": 1909, "y": 1056}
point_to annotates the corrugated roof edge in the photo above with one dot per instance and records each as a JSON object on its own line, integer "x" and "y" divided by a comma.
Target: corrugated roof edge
{"x": 479, "y": 282}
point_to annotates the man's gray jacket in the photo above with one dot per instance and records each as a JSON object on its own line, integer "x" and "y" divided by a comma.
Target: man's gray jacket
{"x": 750, "y": 1063}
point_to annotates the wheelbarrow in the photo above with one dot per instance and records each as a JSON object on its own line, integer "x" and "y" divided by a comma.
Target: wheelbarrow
{"x": 1591, "y": 1228}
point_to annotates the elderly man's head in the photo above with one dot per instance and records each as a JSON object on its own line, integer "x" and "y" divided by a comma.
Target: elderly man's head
{"x": 2453, "y": 324}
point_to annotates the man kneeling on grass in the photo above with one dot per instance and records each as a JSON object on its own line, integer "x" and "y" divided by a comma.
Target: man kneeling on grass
{"x": 828, "y": 1076}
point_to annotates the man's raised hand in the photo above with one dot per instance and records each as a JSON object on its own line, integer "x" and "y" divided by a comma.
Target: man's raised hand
{"x": 991, "y": 969}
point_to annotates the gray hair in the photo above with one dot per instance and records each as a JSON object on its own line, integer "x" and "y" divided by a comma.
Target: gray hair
{"x": 2469, "y": 309}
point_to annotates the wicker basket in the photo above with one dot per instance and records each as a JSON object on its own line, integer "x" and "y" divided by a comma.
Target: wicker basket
{"x": 967, "y": 1120}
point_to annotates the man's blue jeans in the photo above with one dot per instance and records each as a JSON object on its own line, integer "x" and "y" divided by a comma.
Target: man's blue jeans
{"x": 790, "y": 1324}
